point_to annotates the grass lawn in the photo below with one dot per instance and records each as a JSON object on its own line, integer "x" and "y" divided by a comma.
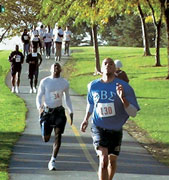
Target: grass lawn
{"x": 12, "y": 117}
{"x": 151, "y": 88}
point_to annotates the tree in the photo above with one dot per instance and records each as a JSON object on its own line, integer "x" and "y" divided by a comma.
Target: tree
{"x": 18, "y": 15}
{"x": 165, "y": 4}
{"x": 95, "y": 41}
{"x": 95, "y": 13}
{"x": 157, "y": 20}
{"x": 144, "y": 31}
{"x": 126, "y": 30}
{"x": 78, "y": 10}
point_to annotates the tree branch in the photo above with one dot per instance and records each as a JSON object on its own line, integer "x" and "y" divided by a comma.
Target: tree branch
{"x": 1, "y": 38}
{"x": 151, "y": 7}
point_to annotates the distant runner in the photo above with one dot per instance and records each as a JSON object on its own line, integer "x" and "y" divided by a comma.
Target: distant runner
{"x": 26, "y": 42}
{"x": 16, "y": 59}
{"x": 66, "y": 39}
{"x": 119, "y": 73}
{"x": 58, "y": 43}
{"x": 34, "y": 60}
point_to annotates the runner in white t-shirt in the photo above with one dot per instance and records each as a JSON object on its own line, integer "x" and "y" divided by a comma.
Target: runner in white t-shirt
{"x": 42, "y": 32}
{"x": 58, "y": 43}
{"x": 52, "y": 113}
{"x": 35, "y": 39}
{"x": 48, "y": 37}
{"x": 67, "y": 38}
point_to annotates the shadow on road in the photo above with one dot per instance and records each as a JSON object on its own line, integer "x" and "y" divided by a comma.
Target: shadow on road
{"x": 32, "y": 156}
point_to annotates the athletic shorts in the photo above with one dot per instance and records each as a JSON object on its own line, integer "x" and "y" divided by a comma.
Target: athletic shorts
{"x": 33, "y": 72}
{"x": 15, "y": 69}
{"x": 55, "y": 118}
{"x": 107, "y": 138}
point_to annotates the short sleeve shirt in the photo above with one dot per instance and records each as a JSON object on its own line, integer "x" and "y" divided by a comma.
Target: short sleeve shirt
{"x": 109, "y": 112}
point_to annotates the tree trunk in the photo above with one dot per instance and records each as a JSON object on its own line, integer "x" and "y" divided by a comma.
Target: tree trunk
{"x": 157, "y": 26}
{"x": 2, "y": 36}
{"x": 95, "y": 42}
{"x": 167, "y": 26}
{"x": 157, "y": 44}
{"x": 144, "y": 33}
{"x": 91, "y": 38}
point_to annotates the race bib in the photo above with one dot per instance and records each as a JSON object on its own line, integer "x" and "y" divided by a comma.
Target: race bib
{"x": 25, "y": 37}
{"x": 55, "y": 96}
{"x": 18, "y": 58}
{"x": 105, "y": 109}
{"x": 34, "y": 54}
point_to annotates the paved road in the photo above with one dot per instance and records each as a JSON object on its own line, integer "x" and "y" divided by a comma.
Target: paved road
{"x": 76, "y": 159}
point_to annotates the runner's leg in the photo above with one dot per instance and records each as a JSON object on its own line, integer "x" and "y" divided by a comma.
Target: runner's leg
{"x": 112, "y": 166}
{"x": 57, "y": 143}
{"x": 103, "y": 163}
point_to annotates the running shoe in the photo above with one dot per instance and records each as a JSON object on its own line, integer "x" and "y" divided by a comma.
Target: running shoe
{"x": 31, "y": 91}
{"x": 13, "y": 89}
{"x": 52, "y": 165}
{"x": 17, "y": 90}
{"x": 34, "y": 90}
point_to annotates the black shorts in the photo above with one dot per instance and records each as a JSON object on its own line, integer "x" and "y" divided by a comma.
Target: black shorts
{"x": 15, "y": 70}
{"x": 55, "y": 118}
{"x": 33, "y": 72}
{"x": 107, "y": 138}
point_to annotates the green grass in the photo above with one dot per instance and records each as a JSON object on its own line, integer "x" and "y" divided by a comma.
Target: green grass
{"x": 151, "y": 88}
{"x": 12, "y": 117}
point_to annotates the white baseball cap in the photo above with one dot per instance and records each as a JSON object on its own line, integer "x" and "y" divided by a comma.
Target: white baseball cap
{"x": 118, "y": 63}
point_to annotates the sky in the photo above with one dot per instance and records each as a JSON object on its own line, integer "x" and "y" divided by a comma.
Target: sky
{"x": 9, "y": 44}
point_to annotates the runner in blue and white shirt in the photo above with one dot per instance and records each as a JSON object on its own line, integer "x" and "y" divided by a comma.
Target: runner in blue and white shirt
{"x": 111, "y": 101}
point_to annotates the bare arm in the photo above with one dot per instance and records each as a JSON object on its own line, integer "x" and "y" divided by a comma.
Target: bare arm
{"x": 69, "y": 104}
{"x": 84, "y": 124}
{"x": 129, "y": 108}
{"x": 39, "y": 96}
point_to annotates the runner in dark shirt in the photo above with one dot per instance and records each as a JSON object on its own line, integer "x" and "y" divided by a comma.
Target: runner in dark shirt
{"x": 16, "y": 59}
{"x": 26, "y": 42}
{"x": 34, "y": 60}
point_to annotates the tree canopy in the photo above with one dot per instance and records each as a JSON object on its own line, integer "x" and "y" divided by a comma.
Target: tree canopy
{"x": 18, "y": 15}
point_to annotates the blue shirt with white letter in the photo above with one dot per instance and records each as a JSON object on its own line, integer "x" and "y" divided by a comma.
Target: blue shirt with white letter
{"x": 108, "y": 110}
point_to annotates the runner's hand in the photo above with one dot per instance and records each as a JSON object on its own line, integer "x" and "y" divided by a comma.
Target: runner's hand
{"x": 71, "y": 118}
{"x": 41, "y": 109}
{"x": 120, "y": 91}
{"x": 84, "y": 125}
